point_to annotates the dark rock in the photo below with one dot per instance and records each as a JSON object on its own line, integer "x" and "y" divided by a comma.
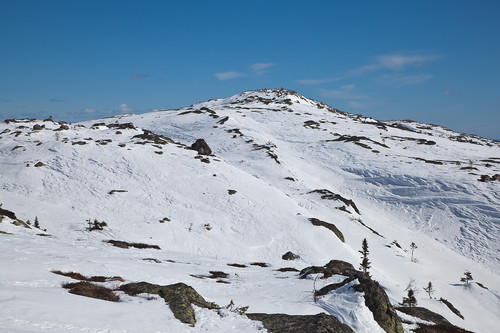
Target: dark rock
{"x": 38, "y": 127}
{"x": 39, "y": 164}
{"x": 319, "y": 323}
{"x": 153, "y": 138}
{"x": 231, "y": 192}
{"x": 122, "y": 126}
{"x": 485, "y": 178}
{"x": 375, "y": 297}
{"x": 451, "y": 307}
{"x": 179, "y": 297}
{"x": 377, "y": 301}
{"x": 422, "y": 328}
{"x": 329, "y": 226}
{"x": 424, "y": 314}
{"x": 201, "y": 147}
{"x": 290, "y": 256}
{"x": 62, "y": 128}
{"x": 496, "y": 177}
{"x": 223, "y": 120}
{"x": 329, "y": 195}
{"x": 8, "y": 213}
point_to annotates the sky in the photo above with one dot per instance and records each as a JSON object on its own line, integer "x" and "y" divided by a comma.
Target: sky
{"x": 431, "y": 61}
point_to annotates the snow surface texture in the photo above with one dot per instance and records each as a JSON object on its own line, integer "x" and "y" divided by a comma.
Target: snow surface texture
{"x": 410, "y": 182}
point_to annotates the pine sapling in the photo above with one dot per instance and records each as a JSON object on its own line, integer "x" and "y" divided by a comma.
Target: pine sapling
{"x": 410, "y": 300}
{"x": 413, "y": 246}
{"x": 429, "y": 289}
{"x": 467, "y": 277}
{"x": 365, "y": 263}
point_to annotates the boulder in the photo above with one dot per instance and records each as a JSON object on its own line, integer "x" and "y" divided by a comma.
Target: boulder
{"x": 319, "y": 323}
{"x": 201, "y": 147}
{"x": 290, "y": 256}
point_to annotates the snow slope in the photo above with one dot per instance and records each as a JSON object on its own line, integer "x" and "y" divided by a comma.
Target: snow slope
{"x": 281, "y": 153}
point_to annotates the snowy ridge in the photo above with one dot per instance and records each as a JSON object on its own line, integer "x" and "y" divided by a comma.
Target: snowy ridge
{"x": 288, "y": 159}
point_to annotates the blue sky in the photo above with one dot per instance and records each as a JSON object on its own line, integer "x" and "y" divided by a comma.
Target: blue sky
{"x": 431, "y": 61}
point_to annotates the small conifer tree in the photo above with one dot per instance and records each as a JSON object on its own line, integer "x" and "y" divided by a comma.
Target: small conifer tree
{"x": 365, "y": 263}
{"x": 413, "y": 246}
{"x": 410, "y": 300}
{"x": 429, "y": 289}
{"x": 37, "y": 224}
{"x": 467, "y": 277}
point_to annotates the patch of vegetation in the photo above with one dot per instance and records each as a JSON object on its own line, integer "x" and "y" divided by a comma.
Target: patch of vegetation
{"x": 78, "y": 276}
{"x": 237, "y": 265}
{"x": 153, "y": 260}
{"x": 126, "y": 245}
{"x": 165, "y": 219}
{"x": 5, "y": 232}
{"x": 88, "y": 289}
{"x": 260, "y": 264}
{"x": 39, "y": 164}
{"x": 96, "y": 225}
{"x": 287, "y": 269}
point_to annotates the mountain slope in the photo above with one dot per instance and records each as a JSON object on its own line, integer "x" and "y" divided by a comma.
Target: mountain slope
{"x": 288, "y": 159}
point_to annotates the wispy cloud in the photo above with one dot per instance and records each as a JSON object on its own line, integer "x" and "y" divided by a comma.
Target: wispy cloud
{"x": 404, "y": 80}
{"x": 139, "y": 76}
{"x": 395, "y": 62}
{"x": 358, "y": 105}
{"x": 229, "y": 75}
{"x": 318, "y": 81}
{"x": 448, "y": 93}
{"x": 257, "y": 69}
{"x": 260, "y": 69}
{"x": 5, "y": 100}
{"x": 56, "y": 100}
{"x": 344, "y": 92}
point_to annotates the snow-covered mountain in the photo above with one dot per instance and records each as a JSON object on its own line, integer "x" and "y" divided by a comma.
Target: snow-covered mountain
{"x": 285, "y": 173}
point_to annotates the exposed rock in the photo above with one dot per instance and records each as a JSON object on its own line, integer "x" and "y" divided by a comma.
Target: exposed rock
{"x": 422, "y": 328}
{"x": 283, "y": 323}
{"x": 153, "y": 138}
{"x": 451, "y": 307}
{"x": 375, "y": 297}
{"x": 329, "y": 226}
{"x": 122, "y": 126}
{"x": 179, "y": 298}
{"x": 424, "y": 314}
{"x": 329, "y": 195}
{"x": 8, "y": 213}
{"x": 38, "y": 127}
{"x": 201, "y": 147}
{"x": 290, "y": 256}
{"x": 39, "y": 164}
{"x": 126, "y": 245}
{"x": 485, "y": 178}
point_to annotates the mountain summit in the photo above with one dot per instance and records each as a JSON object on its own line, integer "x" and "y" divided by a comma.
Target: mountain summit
{"x": 130, "y": 196}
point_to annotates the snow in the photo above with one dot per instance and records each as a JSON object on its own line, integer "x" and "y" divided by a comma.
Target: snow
{"x": 452, "y": 217}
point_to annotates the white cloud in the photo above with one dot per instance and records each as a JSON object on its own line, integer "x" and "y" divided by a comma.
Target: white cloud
{"x": 88, "y": 110}
{"x": 123, "y": 108}
{"x": 318, "y": 81}
{"x": 345, "y": 92}
{"x": 395, "y": 62}
{"x": 448, "y": 93}
{"x": 229, "y": 75}
{"x": 260, "y": 67}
